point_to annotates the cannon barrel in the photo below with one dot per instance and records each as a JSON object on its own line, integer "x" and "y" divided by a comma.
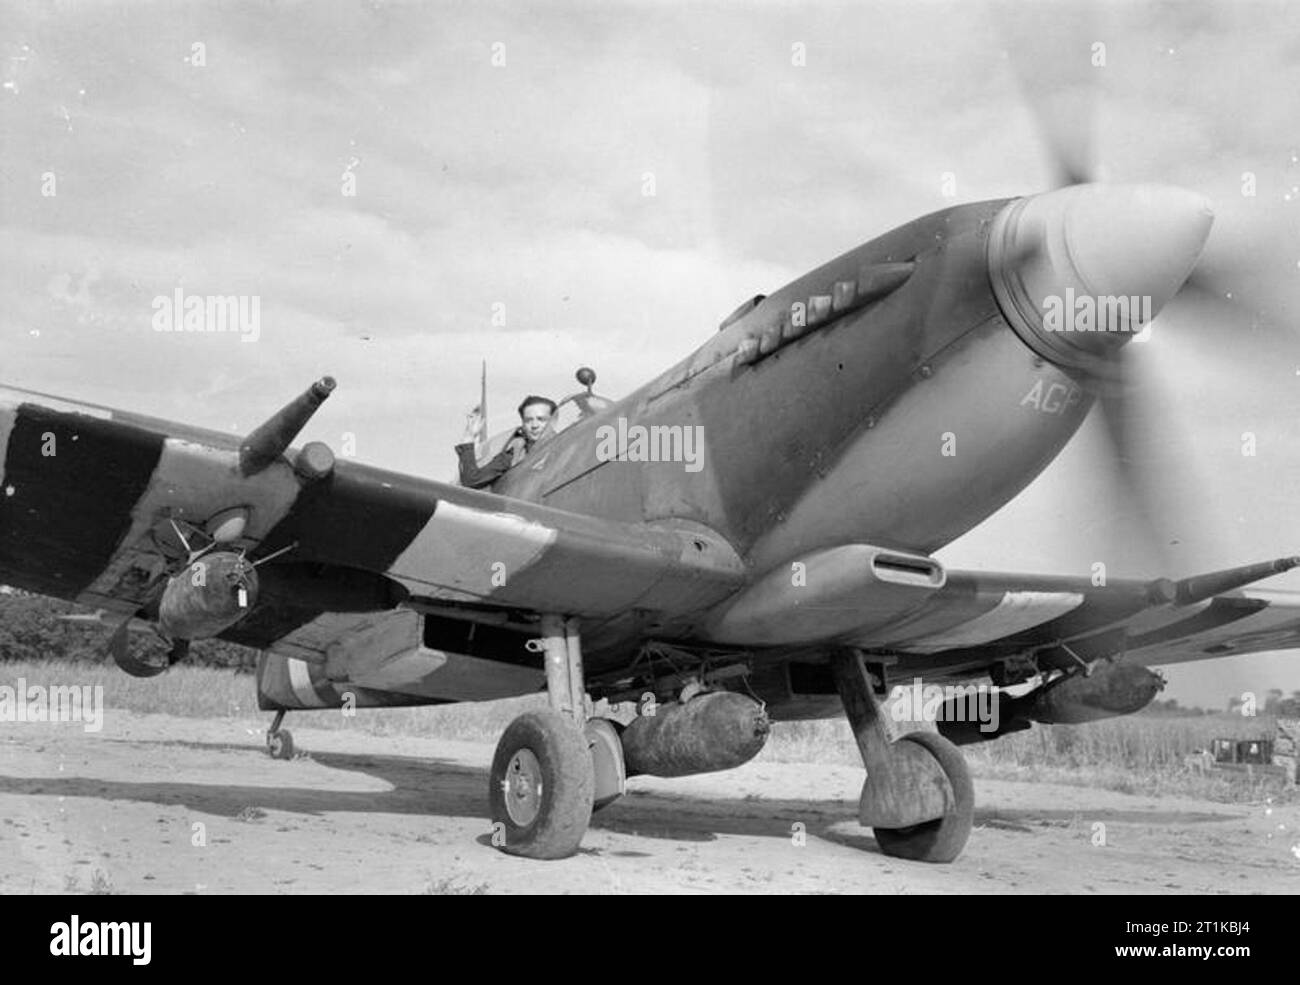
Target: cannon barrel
{"x": 272, "y": 439}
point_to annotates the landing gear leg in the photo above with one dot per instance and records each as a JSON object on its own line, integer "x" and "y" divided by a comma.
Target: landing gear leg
{"x": 279, "y": 741}
{"x": 918, "y": 797}
{"x": 542, "y": 779}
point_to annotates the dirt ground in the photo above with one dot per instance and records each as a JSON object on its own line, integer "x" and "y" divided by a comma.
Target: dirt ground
{"x": 159, "y": 804}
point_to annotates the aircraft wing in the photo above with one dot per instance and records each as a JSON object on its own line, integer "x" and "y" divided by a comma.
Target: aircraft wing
{"x": 909, "y": 607}
{"x": 91, "y": 498}
{"x": 1062, "y": 621}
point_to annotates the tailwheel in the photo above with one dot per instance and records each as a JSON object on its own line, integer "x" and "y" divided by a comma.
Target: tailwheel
{"x": 942, "y": 839}
{"x": 279, "y": 741}
{"x": 541, "y": 786}
{"x": 280, "y": 744}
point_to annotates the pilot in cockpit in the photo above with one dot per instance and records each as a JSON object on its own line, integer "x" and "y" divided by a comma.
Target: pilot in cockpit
{"x": 536, "y": 415}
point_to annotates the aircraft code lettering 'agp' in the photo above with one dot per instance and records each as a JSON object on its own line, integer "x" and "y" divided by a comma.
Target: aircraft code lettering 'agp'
{"x": 766, "y": 553}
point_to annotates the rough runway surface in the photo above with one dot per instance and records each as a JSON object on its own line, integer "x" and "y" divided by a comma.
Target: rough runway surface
{"x": 156, "y": 804}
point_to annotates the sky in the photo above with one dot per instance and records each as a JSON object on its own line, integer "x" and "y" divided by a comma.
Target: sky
{"x": 409, "y": 189}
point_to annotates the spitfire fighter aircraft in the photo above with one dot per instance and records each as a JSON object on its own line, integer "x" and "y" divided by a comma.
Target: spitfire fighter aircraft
{"x": 777, "y": 562}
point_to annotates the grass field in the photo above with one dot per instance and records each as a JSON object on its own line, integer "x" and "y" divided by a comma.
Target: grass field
{"x": 1135, "y": 754}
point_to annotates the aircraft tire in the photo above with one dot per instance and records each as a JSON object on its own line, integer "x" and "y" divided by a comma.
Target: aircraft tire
{"x": 541, "y": 787}
{"x": 942, "y": 839}
{"x": 138, "y": 668}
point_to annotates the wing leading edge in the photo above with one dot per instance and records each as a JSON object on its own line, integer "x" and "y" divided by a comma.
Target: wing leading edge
{"x": 927, "y": 618}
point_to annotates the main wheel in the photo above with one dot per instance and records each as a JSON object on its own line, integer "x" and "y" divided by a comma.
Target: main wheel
{"x": 541, "y": 786}
{"x": 280, "y": 744}
{"x": 942, "y": 839}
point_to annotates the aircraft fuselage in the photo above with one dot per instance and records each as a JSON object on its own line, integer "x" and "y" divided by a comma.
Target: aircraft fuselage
{"x": 903, "y": 422}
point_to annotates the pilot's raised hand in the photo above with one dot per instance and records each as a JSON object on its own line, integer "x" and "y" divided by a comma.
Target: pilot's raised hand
{"x": 473, "y": 425}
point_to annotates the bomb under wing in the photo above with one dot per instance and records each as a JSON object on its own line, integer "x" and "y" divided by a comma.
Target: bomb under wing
{"x": 1111, "y": 689}
{"x": 719, "y": 730}
{"x": 209, "y": 596}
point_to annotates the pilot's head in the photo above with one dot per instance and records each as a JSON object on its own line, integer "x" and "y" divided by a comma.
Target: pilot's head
{"x": 535, "y": 413}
